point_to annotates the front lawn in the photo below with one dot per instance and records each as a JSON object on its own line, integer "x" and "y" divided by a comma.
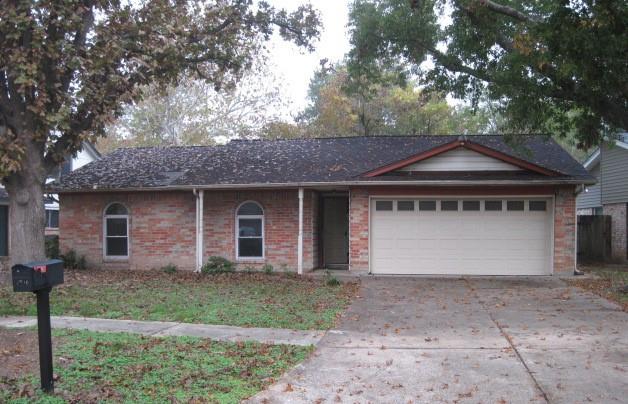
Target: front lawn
{"x": 239, "y": 299}
{"x": 118, "y": 367}
{"x": 608, "y": 281}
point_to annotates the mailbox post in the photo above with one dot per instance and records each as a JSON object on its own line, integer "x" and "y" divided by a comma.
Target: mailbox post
{"x": 39, "y": 278}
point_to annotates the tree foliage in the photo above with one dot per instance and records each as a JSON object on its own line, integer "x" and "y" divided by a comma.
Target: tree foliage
{"x": 194, "y": 113}
{"x": 344, "y": 106}
{"x": 554, "y": 66}
{"x": 69, "y": 66}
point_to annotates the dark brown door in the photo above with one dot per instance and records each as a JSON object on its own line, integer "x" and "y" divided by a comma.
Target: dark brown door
{"x": 336, "y": 232}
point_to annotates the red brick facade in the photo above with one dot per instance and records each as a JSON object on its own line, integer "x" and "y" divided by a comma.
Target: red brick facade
{"x": 565, "y": 231}
{"x": 162, "y": 225}
{"x": 359, "y": 230}
{"x": 281, "y": 227}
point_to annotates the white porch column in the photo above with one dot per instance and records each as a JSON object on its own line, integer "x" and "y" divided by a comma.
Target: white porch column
{"x": 199, "y": 229}
{"x": 300, "y": 238}
{"x": 201, "y": 204}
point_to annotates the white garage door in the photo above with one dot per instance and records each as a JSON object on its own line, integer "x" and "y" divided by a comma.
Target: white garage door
{"x": 481, "y": 236}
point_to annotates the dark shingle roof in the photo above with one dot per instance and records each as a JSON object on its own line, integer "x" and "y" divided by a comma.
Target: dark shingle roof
{"x": 299, "y": 161}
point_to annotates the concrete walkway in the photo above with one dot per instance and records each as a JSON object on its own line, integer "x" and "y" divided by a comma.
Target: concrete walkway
{"x": 166, "y": 328}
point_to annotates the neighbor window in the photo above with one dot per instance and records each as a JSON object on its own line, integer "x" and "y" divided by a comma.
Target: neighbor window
{"x": 52, "y": 218}
{"x": 449, "y": 205}
{"x": 250, "y": 230}
{"x": 515, "y": 205}
{"x": 537, "y": 206}
{"x": 492, "y": 205}
{"x": 116, "y": 231}
{"x": 405, "y": 205}
{"x": 470, "y": 205}
{"x": 383, "y": 205}
{"x": 427, "y": 205}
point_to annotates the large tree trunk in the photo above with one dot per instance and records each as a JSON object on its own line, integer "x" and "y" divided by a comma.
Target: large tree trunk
{"x": 26, "y": 208}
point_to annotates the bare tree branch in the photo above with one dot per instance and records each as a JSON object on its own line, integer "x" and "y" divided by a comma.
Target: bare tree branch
{"x": 505, "y": 10}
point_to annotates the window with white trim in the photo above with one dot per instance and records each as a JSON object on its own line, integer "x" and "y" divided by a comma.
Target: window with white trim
{"x": 116, "y": 229}
{"x": 250, "y": 231}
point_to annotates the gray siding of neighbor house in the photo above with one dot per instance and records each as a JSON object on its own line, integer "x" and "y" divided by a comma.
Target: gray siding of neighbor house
{"x": 614, "y": 174}
{"x": 593, "y": 197}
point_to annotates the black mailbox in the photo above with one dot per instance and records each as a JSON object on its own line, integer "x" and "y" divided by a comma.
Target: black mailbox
{"x": 37, "y": 275}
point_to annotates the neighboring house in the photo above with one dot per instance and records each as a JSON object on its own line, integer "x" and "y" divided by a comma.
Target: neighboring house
{"x": 383, "y": 205}
{"x": 609, "y": 165}
{"x": 83, "y": 157}
{"x": 87, "y": 155}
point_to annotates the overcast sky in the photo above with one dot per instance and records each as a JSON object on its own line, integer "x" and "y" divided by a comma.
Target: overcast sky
{"x": 294, "y": 66}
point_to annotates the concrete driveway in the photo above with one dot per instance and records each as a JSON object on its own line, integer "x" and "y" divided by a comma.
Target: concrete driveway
{"x": 494, "y": 340}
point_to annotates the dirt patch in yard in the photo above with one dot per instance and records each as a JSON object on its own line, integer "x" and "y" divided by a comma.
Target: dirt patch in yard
{"x": 18, "y": 353}
{"x": 608, "y": 281}
{"x": 19, "y": 358}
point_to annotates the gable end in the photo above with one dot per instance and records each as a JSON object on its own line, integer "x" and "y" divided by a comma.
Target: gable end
{"x": 447, "y": 158}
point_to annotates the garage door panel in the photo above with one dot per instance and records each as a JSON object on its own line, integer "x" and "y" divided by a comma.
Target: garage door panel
{"x": 461, "y": 242}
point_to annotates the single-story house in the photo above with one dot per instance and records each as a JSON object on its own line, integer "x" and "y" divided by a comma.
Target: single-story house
{"x": 441, "y": 205}
{"x": 609, "y": 196}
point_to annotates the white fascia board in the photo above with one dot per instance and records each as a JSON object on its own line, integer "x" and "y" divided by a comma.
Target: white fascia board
{"x": 592, "y": 160}
{"x": 621, "y": 144}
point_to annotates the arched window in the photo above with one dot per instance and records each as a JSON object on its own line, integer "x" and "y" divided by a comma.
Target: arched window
{"x": 116, "y": 229}
{"x": 250, "y": 231}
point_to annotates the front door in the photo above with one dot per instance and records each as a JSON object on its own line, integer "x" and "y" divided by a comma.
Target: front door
{"x": 336, "y": 232}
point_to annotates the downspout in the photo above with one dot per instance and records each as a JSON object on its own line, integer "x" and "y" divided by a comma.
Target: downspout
{"x": 300, "y": 238}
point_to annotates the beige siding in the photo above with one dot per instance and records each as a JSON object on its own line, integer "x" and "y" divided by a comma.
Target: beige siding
{"x": 461, "y": 159}
{"x": 593, "y": 197}
{"x": 614, "y": 174}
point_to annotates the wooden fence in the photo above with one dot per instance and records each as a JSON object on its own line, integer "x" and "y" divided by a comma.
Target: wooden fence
{"x": 594, "y": 238}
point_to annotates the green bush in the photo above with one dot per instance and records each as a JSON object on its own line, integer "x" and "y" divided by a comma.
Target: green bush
{"x": 73, "y": 261}
{"x": 216, "y": 265}
{"x": 267, "y": 268}
{"x": 331, "y": 280}
{"x": 52, "y": 247}
{"x": 169, "y": 269}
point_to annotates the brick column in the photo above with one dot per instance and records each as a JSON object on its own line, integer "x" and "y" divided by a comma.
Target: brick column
{"x": 617, "y": 212}
{"x": 359, "y": 230}
{"x": 565, "y": 231}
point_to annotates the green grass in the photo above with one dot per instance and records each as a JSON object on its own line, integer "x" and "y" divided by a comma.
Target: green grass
{"x": 118, "y": 367}
{"x": 249, "y": 300}
{"x": 608, "y": 281}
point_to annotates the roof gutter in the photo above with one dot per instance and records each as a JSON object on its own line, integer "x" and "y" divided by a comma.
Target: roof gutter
{"x": 328, "y": 184}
